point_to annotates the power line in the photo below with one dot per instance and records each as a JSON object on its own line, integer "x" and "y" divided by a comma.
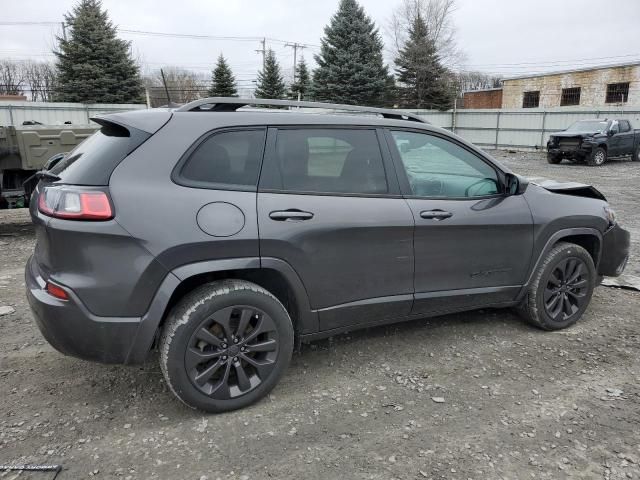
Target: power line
{"x": 550, "y": 62}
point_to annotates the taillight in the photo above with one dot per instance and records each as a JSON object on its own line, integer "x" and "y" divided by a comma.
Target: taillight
{"x": 74, "y": 203}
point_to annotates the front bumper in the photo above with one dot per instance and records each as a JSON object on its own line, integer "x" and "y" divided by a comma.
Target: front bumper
{"x": 71, "y": 329}
{"x": 615, "y": 251}
{"x": 579, "y": 153}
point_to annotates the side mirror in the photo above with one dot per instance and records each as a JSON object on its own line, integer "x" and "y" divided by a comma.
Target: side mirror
{"x": 611, "y": 133}
{"x": 511, "y": 184}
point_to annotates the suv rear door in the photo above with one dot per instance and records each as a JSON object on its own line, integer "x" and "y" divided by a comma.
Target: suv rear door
{"x": 328, "y": 207}
{"x": 472, "y": 244}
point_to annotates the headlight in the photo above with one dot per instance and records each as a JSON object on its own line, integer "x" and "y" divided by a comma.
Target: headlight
{"x": 610, "y": 215}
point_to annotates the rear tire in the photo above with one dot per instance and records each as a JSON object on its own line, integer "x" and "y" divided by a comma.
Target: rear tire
{"x": 561, "y": 288}
{"x": 225, "y": 345}
{"x": 553, "y": 159}
{"x": 597, "y": 158}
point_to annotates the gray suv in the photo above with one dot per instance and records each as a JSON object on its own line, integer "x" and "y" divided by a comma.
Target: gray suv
{"x": 224, "y": 236}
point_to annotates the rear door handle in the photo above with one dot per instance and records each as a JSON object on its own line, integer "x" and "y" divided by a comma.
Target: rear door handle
{"x": 291, "y": 214}
{"x": 435, "y": 214}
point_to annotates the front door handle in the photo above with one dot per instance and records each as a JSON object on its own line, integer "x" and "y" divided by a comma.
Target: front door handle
{"x": 291, "y": 214}
{"x": 435, "y": 214}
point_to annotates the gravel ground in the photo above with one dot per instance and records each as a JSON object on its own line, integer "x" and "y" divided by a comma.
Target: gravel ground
{"x": 478, "y": 395}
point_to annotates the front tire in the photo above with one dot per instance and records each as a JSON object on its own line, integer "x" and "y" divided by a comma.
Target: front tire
{"x": 553, "y": 159}
{"x": 597, "y": 158}
{"x": 561, "y": 288}
{"x": 636, "y": 155}
{"x": 225, "y": 345}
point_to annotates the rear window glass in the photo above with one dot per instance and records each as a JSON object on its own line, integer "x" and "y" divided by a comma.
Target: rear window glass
{"x": 93, "y": 160}
{"x": 228, "y": 159}
{"x": 327, "y": 161}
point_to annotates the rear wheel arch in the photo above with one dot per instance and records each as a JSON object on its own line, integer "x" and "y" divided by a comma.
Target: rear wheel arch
{"x": 275, "y": 276}
{"x": 271, "y": 280}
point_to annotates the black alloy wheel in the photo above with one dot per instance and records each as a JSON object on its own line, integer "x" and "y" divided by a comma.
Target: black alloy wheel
{"x": 232, "y": 352}
{"x": 566, "y": 291}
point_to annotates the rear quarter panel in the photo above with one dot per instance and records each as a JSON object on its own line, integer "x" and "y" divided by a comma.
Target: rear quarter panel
{"x": 161, "y": 214}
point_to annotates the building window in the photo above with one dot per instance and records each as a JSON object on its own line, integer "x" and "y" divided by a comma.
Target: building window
{"x": 570, "y": 96}
{"x": 617, "y": 92}
{"x": 531, "y": 99}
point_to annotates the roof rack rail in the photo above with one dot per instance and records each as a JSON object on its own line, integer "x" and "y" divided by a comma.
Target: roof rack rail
{"x": 231, "y": 104}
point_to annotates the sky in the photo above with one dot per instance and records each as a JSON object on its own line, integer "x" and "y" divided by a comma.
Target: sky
{"x": 503, "y": 37}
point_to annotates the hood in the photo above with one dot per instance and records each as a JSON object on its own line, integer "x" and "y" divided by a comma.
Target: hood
{"x": 568, "y": 188}
{"x": 575, "y": 134}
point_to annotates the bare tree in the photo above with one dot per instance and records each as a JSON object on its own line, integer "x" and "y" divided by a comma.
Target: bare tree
{"x": 183, "y": 86}
{"x": 476, "y": 81}
{"x": 40, "y": 77}
{"x": 11, "y": 78}
{"x": 438, "y": 15}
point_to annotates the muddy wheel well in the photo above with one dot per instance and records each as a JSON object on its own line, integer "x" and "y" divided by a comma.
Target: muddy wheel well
{"x": 590, "y": 243}
{"x": 269, "y": 279}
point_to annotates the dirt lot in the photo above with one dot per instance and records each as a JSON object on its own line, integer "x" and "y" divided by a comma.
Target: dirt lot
{"x": 511, "y": 402}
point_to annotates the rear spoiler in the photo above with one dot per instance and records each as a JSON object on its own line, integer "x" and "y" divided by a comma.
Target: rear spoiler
{"x": 149, "y": 121}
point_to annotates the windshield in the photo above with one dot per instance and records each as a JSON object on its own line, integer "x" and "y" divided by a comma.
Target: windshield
{"x": 589, "y": 126}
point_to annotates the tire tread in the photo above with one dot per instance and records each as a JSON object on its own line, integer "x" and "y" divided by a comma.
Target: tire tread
{"x": 181, "y": 315}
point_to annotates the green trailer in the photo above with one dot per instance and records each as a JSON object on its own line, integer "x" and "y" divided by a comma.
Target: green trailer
{"x": 26, "y": 148}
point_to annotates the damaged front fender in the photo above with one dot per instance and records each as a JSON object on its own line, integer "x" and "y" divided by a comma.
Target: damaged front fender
{"x": 569, "y": 188}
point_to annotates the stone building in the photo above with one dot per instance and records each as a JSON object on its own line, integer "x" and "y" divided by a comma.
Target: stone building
{"x": 586, "y": 87}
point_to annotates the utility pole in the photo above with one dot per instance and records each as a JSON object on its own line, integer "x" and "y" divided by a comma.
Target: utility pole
{"x": 295, "y": 47}
{"x": 263, "y": 51}
{"x": 166, "y": 90}
{"x": 64, "y": 30}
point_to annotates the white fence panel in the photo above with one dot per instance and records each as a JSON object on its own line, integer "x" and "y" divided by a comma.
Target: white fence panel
{"x": 516, "y": 128}
{"x": 520, "y": 128}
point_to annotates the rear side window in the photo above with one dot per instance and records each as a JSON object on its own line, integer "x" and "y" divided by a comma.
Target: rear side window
{"x": 225, "y": 159}
{"x": 93, "y": 160}
{"x": 327, "y": 161}
{"x": 624, "y": 126}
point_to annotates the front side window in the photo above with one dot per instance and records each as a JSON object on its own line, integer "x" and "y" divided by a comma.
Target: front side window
{"x": 439, "y": 168}
{"x": 328, "y": 161}
{"x": 229, "y": 158}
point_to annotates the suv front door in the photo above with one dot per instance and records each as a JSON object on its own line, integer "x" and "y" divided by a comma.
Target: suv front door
{"x": 472, "y": 244}
{"x": 327, "y": 206}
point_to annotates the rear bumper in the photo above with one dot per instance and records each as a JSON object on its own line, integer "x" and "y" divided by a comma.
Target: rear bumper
{"x": 71, "y": 329}
{"x": 615, "y": 251}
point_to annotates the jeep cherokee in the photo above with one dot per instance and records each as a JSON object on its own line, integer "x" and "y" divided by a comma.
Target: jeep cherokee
{"x": 223, "y": 236}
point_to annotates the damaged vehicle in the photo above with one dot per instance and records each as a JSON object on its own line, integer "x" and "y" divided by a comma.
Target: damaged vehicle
{"x": 595, "y": 142}
{"x": 224, "y": 237}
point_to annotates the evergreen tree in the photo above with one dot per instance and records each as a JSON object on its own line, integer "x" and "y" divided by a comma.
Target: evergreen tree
{"x": 303, "y": 81}
{"x": 94, "y": 65}
{"x": 350, "y": 67}
{"x": 223, "y": 83}
{"x": 270, "y": 82}
{"x": 424, "y": 82}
